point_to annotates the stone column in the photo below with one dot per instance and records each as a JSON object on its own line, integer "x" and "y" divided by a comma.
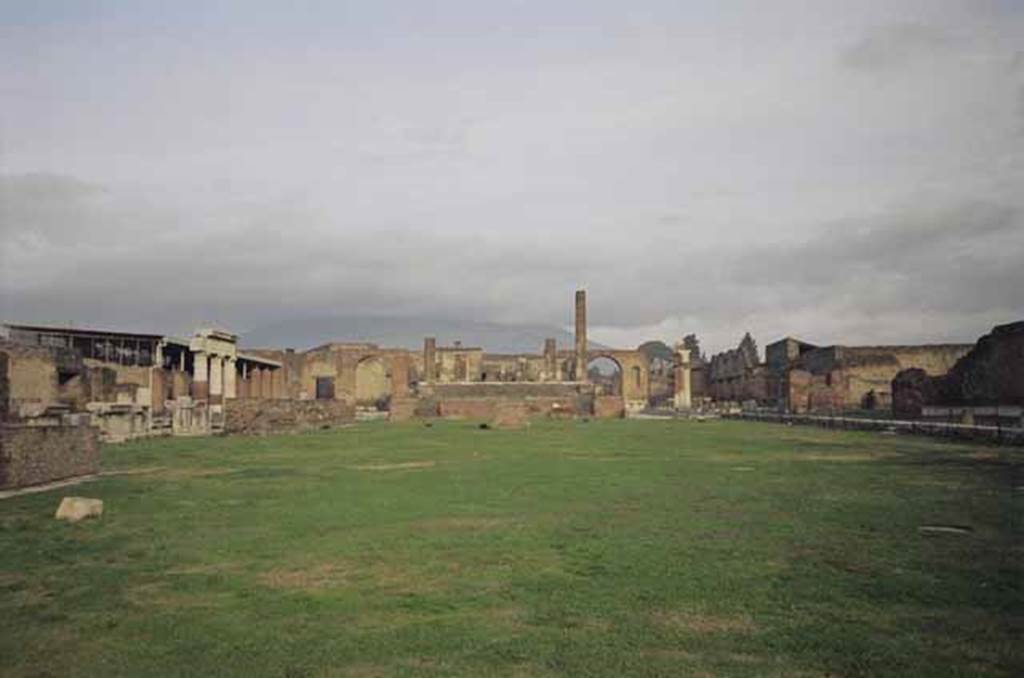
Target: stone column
{"x": 216, "y": 379}
{"x": 256, "y": 388}
{"x": 400, "y": 376}
{"x": 581, "y": 335}
{"x": 277, "y": 383}
{"x": 200, "y": 376}
{"x": 682, "y": 398}
{"x": 430, "y": 359}
{"x": 231, "y": 378}
{"x": 550, "y": 360}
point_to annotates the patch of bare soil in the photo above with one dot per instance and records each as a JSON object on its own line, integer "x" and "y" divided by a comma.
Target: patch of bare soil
{"x": 190, "y": 473}
{"x": 158, "y": 594}
{"x": 463, "y": 523}
{"x": 702, "y": 623}
{"x": 132, "y": 471}
{"x": 403, "y": 466}
{"x": 318, "y": 577}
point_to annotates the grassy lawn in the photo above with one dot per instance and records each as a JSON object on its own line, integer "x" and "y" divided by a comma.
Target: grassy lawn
{"x": 603, "y": 548}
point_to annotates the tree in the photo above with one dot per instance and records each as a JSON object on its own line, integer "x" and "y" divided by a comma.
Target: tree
{"x": 692, "y": 344}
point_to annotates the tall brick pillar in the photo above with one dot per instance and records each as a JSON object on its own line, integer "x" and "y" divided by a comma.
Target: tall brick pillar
{"x": 5, "y": 387}
{"x": 581, "y": 335}
{"x": 200, "y": 376}
{"x": 231, "y": 378}
{"x": 550, "y": 360}
{"x": 430, "y": 359}
{"x": 216, "y": 379}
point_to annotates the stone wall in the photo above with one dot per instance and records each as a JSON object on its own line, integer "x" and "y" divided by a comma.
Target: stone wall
{"x": 5, "y": 389}
{"x": 481, "y": 400}
{"x": 280, "y": 416}
{"x": 32, "y": 373}
{"x": 31, "y": 455}
{"x": 403, "y": 409}
{"x": 609, "y": 407}
{"x": 485, "y": 409}
{"x": 992, "y": 373}
{"x": 837, "y": 378}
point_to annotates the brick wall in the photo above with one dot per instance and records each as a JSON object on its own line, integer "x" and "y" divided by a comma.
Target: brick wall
{"x": 4, "y": 387}
{"x": 403, "y": 409}
{"x": 992, "y": 373}
{"x": 609, "y": 407}
{"x": 468, "y": 408}
{"x": 280, "y": 416}
{"x": 31, "y": 455}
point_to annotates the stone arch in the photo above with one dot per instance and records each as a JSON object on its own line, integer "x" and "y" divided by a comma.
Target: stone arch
{"x": 373, "y": 382}
{"x": 606, "y": 373}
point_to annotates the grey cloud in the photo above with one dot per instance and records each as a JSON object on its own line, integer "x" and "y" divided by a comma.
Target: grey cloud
{"x": 701, "y": 170}
{"x": 894, "y": 46}
{"x": 955, "y": 259}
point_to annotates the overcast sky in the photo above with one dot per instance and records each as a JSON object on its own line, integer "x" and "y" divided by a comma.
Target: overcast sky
{"x": 844, "y": 172}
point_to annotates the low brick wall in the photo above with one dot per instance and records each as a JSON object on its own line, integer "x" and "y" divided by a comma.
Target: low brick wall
{"x": 511, "y": 415}
{"x": 403, "y": 409}
{"x": 609, "y": 407}
{"x": 32, "y": 455}
{"x": 468, "y": 408}
{"x": 487, "y": 408}
{"x": 521, "y": 390}
{"x": 283, "y": 416}
{"x": 994, "y": 434}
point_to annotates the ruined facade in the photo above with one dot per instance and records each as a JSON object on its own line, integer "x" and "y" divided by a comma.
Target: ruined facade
{"x": 805, "y": 378}
{"x": 985, "y": 386}
{"x": 133, "y": 385}
{"x": 40, "y": 443}
{"x": 737, "y": 374}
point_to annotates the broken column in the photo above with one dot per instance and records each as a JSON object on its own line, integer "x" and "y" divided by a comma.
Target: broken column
{"x": 430, "y": 359}
{"x": 200, "y": 376}
{"x": 231, "y": 378}
{"x": 550, "y": 360}
{"x": 581, "y": 335}
{"x": 216, "y": 379}
{"x": 682, "y": 398}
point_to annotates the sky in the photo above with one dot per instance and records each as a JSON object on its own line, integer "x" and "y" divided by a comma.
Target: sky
{"x": 843, "y": 172}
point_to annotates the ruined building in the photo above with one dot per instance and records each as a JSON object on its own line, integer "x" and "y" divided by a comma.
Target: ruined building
{"x": 738, "y": 374}
{"x": 466, "y": 381}
{"x": 133, "y": 385}
{"x": 801, "y": 377}
{"x": 985, "y": 386}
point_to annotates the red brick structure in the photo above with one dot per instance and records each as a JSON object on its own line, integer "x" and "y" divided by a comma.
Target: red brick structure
{"x": 990, "y": 374}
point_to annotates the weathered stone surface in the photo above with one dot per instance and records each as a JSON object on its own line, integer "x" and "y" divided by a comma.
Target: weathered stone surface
{"x": 403, "y": 409}
{"x": 279, "y": 416}
{"x": 32, "y": 455}
{"x": 511, "y": 415}
{"x": 74, "y": 509}
{"x": 609, "y": 407}
{"x": 992, "y": 373}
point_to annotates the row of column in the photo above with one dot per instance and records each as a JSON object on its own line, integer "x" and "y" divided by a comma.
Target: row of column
{"x": 261, "y": 382}
{"x": 217, "y": 378}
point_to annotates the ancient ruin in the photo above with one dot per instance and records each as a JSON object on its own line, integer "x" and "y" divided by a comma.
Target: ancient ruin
{"x": 985, "y": 386}
{"x": 80, "y": 383}
{"x": 800, "y": 377}
{"x": 64, "y": 388}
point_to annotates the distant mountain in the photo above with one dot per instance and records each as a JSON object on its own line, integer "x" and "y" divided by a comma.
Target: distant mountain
{"x": 307, "y": 332}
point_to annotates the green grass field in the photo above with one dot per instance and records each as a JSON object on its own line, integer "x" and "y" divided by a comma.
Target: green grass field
{"x": 572, "y": 548}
